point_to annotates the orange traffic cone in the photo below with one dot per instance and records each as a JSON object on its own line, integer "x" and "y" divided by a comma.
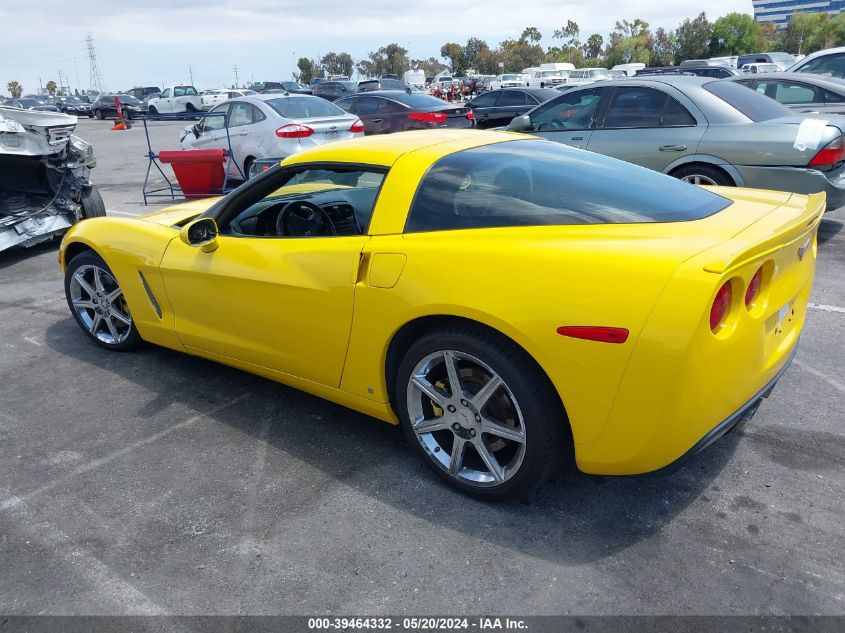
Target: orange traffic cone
{"x": 120, "y": 125}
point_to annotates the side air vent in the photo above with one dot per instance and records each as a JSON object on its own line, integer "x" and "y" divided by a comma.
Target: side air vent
{"x": 150, "y": 294}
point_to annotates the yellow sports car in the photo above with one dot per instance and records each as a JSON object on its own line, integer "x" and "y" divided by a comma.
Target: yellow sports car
{"x": 511, "y": 302}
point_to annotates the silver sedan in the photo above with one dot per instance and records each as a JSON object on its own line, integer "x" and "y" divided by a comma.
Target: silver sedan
{"x": 701, "y": 130}
{"x": 270, "y": 126}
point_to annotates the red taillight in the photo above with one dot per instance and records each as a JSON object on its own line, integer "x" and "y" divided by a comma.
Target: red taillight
{"x": 358, "y": 126}
{"x": 719, "y": 310}
{"x": 428, "y": 117}
{"x": 753, "y": 289}
{"x": 595, "y": 333}
{"x": 830, "y": 154}
{"x": 294, "y": 130}
{"x": 471, "y": 115}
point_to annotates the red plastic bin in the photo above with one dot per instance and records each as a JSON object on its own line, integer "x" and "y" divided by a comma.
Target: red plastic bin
{"x": 199, "y": 171}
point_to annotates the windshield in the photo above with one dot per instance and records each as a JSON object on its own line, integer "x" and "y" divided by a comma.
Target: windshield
{"x": 29, "y": 103}
{"x": 754, "y": 105}
{"x": 541, "y": 183}
{"x": 304, "y": 107}
{"x": 290, "y": 85}
{"x": 510, "y": 77}
{"x": 73, "y": 100}
{"x": 550, "y": 73}
{"x": 600, "y": 72}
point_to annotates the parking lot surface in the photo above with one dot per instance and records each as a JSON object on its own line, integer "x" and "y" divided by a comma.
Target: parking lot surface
{"x": 157, "y": 483}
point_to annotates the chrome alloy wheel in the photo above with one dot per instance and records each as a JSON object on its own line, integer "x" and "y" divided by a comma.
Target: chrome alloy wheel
{"x": 698, "y": 179}
{"x": 99, "y": 303}
{"x": 466, "y": 418}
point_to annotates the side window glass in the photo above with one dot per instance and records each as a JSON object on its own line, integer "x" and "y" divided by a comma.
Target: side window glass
{"x": 792, "y": 93}
{"x": 345, "y": 196}
{"x": 166, "y": 94}
{"x": 676, "y": 115}
{"x": 179, "y": 91}
{"x": 257, "y": 115}
{"x": 350, "y": 105}
{"x": 635, "y": 107}
{"x": 572, "y": 111}
{"x": 512, "y": 98}
{"x": 390, "y": 107}
{"x": 215, "y": 122}
{"x": 485, "y": 100}
{"x": 368, "y": 105}
{"x": 241, "y": 114}
{"x": 832, "y": 97}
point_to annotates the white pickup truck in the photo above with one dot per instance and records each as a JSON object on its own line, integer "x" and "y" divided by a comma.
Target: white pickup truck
{"x": 175, "y": 99}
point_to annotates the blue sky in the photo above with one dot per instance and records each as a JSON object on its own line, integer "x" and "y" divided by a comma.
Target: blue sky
{"x": 154, "y": 42}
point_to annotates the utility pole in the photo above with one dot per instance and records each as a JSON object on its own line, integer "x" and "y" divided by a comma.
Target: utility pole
{"x": 236, "y": 76}
{"x": 76, "y": 69}
{"x": 191, "y": 73}
{"x": 94, "y": 78}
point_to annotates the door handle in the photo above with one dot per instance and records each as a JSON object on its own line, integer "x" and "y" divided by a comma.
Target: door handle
{"x": 577, "y": 138}
{"x": 672, "y": 148}
{"x": 375, "y": 120}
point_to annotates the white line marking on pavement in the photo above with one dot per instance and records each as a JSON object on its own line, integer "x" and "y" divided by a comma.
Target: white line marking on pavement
{"x": 11, "y": 503}
{"x": 31, "y": 340}
{"x": 826, "y": 308}
{"x": 818, "y": 374}
{"x": 107, "y": 583}
{"x": 123, "y": 213}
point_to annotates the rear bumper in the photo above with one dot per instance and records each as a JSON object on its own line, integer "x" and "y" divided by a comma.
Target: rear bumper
{"x": 744, "y": 413}
{"x": 796, "y": 180}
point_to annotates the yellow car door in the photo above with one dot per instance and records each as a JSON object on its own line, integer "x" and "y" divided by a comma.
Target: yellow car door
{"x": 277, "y": 291}
{"x": 283, "y": 304}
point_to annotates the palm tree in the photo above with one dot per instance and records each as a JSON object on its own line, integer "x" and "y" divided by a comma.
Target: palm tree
{"x": 51, "y": 87}
{"x": 15, "y": 88}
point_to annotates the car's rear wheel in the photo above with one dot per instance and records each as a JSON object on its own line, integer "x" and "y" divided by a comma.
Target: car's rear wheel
{"x": 97, "y": 303}
{"x": 703, "y": 174}
{"x": 99, "y": 115}
{"x": 480, "y": 412}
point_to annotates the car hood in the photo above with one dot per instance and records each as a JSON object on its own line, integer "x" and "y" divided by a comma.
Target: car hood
{"x": 180, "y": 213}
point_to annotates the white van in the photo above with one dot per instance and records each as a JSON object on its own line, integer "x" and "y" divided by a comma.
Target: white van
{"x": 629, "y": 69}
{"x": 541, "y": 78}
{"x": 415, "y": 78}
{"x": 588, "y": 76}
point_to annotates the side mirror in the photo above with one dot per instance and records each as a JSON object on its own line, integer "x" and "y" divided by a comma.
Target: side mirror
{"x": 196, "y": 130}
{"x": 200, "y": 233}
{"x": 519, "y": 124}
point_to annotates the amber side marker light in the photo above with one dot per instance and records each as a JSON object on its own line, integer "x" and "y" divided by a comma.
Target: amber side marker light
{"x": 595, "y": 333}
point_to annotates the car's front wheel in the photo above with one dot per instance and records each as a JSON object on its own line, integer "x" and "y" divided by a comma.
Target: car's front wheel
{"x": 97, "y": 303}
{"x": 99, "y": 114}
{"x": 480, "y": 412}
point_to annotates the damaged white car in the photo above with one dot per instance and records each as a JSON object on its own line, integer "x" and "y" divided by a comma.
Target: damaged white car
{"x": 44, "y": 177}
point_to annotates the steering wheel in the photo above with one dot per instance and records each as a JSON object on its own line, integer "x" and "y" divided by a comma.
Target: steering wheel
{"x": 304, "y": 219}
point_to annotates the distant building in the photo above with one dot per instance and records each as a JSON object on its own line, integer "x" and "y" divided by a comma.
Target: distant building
{"x": 779, "y": 11}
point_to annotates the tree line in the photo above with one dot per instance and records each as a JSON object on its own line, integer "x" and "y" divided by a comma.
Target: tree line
{"x": 628, "y": 42}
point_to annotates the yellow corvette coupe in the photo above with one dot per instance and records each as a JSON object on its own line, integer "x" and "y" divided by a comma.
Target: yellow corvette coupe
{"x": 511, "y": 302}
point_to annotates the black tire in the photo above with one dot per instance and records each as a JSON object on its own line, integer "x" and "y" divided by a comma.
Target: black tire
{"x": 92, "y": 203}
{"x": 83, "y": 263}
{"x": 247, "y": 166}
{"x": 99, "y": 114}
{"x": 706, "y": 174}
{"x": 546, "y": 431}
{"x": 152, "y": 110}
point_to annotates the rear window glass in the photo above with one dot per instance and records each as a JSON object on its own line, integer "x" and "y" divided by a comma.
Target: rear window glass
{"x": 303, "y": 107}
{"x": 755, "y": 106}
{"x": 537, "y": 183}
{"x": 416, "y": 100}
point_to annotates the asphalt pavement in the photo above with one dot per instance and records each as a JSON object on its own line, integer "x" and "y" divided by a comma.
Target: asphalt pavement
{"x": 156, "y": 483}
